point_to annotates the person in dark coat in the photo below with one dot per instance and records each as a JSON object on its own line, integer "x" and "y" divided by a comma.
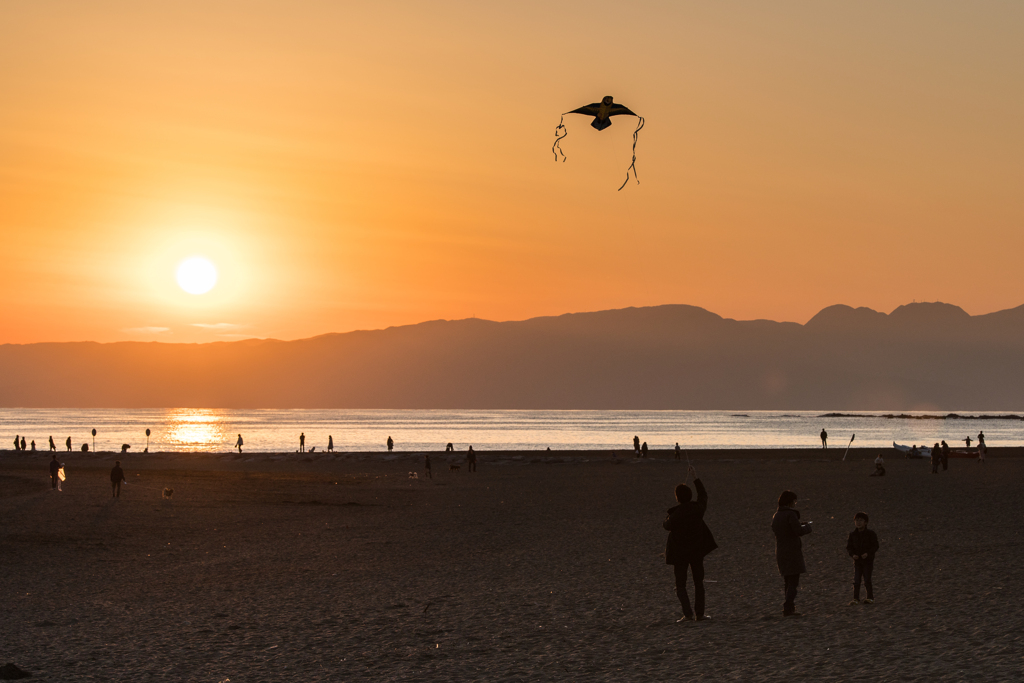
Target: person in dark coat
{"x": 643, "y": 450}
{"x": 391, "y": 444}
{"x": 54, "y": 469}
{"x": 936, "y": 454}
{"x": 68, "y": 444}
{"x": 116, "y": 477}
{"x": 862, "y": 546}
{"x": 636, "y": 445}
{"x": 945, "y": 456}
{"x": 689, "y": 540}
{"x": 17, "y": 442}
{"x": 789, "y": 554}
{"x": 471, "y": 460}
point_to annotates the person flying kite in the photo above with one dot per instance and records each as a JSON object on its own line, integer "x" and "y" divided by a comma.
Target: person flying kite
{"x": 602, "y": 112}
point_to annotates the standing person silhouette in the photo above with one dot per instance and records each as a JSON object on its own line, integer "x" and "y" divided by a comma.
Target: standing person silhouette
{"x": 449, "y": 448}
{"x": 54, "y": 469}
{"x": 23, "y": 443}
{"x": 678, "y": 453}
{"x": 239, "y": 443}
{"x": 824, "y": 439}
{"x": 33, "y": 445}
{"x": 116, "y": 477}
{"x": 53, "y": 446}
{"x": 330, "y": 443}
{"x": 643, "y": 449}
{"x": 689, "y": 541}
{"x": 68, "y": 444}
{"x": 427, "y": 472}
{"x": 981, "y": 439}
{"x": 471, "y": 460}
{"x": 789, "y": 554}
{"x": 17, "y": 443}
{"x": 636, "y": 445}
{"x": 302, "y": 442}
{"x": 945, "y": 456}
{"x": 391, "y": 444}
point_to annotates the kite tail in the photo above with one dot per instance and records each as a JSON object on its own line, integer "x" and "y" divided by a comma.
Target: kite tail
{"x": 556, "y": 148}
{"x": 636, "y": 136}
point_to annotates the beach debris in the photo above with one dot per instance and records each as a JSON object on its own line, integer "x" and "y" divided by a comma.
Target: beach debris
{"x": 602, "y": 112}
{"x": 414, "y": 475}
{"x": 11, "y": 672}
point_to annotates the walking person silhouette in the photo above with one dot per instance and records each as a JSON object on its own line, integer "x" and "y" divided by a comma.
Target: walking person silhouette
{"x": 68, "y": 444}
{"x": 239, "y": 443}
{"x": 53, "y": 446}
{"x": 54, "y": 470}
{"x": 116, "y": 477}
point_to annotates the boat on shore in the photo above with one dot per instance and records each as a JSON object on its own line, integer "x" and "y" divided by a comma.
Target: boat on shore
{"x": 913, "y": 451}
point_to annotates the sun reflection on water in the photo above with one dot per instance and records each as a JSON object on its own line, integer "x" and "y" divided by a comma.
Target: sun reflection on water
{"x": 195, "y": 430}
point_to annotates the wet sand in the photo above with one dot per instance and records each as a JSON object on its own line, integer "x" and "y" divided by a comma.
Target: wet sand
{"x": 544, "y": 567}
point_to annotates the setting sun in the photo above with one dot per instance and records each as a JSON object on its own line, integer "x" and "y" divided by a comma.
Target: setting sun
{"x": 196, "y": 275}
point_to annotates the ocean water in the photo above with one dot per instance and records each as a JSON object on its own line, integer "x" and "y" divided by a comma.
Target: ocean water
{"x": 215, "y": 431}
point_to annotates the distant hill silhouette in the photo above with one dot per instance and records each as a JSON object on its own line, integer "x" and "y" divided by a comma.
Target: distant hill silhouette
{"x": 920, "y": 356}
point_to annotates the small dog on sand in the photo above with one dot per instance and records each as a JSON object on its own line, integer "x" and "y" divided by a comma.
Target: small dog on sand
{"x": 168, "y": 493}
{"x": 414, "y": 475}
{"x": 454, "y": 468}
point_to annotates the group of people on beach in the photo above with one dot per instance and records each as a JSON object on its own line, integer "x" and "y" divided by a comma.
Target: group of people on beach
{"x": 19, "y": 444}
{"x": 690, "y": 540}
{"x": 58, "y": 476}
{"x": 640, "y": 449}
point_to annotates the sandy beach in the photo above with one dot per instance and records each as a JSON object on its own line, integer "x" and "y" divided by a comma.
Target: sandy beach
{"x": 540, "y": 566}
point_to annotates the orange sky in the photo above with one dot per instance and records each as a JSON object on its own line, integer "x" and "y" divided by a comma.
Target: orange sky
{"x": 359, "y": 165}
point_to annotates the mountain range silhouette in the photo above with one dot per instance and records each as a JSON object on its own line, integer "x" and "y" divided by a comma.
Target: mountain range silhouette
{"x": 922, "y": 356}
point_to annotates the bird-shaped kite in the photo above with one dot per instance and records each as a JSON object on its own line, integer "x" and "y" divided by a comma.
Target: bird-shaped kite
{"x": 602, "y": 112}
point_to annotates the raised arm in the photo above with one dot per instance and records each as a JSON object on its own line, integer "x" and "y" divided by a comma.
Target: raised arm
{"x": 702, "y": 495}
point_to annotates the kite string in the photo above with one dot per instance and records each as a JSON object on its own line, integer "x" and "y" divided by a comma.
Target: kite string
{"x": 558, "y": 139}
{"x": 636, "y": 136}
